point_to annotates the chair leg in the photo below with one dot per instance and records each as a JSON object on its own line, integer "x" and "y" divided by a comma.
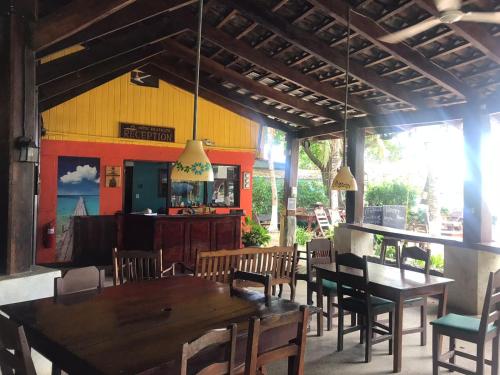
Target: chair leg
{"x": 319, "y": 323}
{"x": 292, "y": 292}
{"x": 480, "y": 359}
{"x": 436, "y": 350}
{"x": 369, "y": 336}
{"x": 494, "y": 356}
{"x": 423, "y": 323}
{"x": 281, "y": 291}
{"x": 353, "y": 319}
{"x": 391, "y": 331}
{"x": 452, "y": 347}
{"x": 340, "y": 335}
{"x": 310, "y": 295}
{"x": 55, "y": 370}
{"x": 329, "y": 313}
{"x": 362, "y": 324}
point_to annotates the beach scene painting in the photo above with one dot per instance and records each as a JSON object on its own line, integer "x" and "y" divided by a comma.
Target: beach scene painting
{"x": 77, "y": 195}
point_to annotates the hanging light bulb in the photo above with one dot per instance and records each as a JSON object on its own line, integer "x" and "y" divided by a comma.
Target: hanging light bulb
{"x": 193, "y": 164}
{"x": 344, "y": 180}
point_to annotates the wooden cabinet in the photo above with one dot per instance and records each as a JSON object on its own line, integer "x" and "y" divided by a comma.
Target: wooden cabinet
{"x": 180, "y": 236}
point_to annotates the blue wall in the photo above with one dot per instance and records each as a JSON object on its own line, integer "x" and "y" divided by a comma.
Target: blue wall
{"x": 146, "y": 185}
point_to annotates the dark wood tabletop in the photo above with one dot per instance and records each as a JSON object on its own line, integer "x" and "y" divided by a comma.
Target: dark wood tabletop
{"x": 134, "y": 327}
{"x": 396, "y": 285}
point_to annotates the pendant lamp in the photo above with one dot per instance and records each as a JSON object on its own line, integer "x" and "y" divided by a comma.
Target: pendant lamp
{"x": 344, "y": 180}
{"x": 193, "y": 164}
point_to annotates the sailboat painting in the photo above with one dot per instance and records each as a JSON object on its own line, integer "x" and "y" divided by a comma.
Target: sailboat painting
{"x": 78, "y": 183}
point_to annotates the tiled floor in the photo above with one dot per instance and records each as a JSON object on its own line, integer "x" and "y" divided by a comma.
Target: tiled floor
{"x": 322, "y": 357}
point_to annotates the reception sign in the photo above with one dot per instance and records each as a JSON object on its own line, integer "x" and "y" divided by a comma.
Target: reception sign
{"x": 147, "y": 133}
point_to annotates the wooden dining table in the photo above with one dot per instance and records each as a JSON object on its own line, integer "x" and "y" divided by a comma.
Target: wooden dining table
{"x": 396, "y": 285}
{"x": 137, "y": 327}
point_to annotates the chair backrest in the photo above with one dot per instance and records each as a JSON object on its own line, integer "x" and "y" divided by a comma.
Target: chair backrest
{"x": 242, "y": 279}
{"x": 79, "y": 280}
{"x": 295, "y": 348}
{"x": 136, "y": 265}
{"x": 322, "y": 219}
{"x": 279, "y": 262}
{"x": 491, "y": 307}
{"x": 352, "y": 278}
{"x": 417, "y": 254}
{"x": 213, "y": 338}
{"x": 15, "y": 354}
{"x": 319, "y": 251}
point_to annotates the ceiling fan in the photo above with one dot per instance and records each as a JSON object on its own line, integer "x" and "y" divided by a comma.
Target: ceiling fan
{"x": 449, "y": 12}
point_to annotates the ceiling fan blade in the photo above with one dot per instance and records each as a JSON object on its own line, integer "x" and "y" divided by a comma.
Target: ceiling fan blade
{"x": 399, "y": 36}
{"x": 486, "y": 17}
{"x": 444, "y": 5}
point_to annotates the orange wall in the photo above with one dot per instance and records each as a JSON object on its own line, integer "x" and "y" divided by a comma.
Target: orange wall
{"x": 111, "y": 199}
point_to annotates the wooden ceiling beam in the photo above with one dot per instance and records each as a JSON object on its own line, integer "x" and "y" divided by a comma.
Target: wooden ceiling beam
{"x": 167, "y": 76}
{"x": 315, "y": 46}
{"x": 474, "y": 33}
{"x": 72, "y": 18}
{"x": 259, "y": 58}
{"x": 320, "y": 130}
{"x": 213, "y": 67}
{"x": 140, "y": 11}
{"x": 116, "y": 45}
{"x": 89, "y": 74}
{"x": 372, "y": 31}
{"x": 231, "y": 94}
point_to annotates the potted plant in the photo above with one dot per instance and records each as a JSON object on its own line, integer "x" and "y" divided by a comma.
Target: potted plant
{"x": 254, "y": 234}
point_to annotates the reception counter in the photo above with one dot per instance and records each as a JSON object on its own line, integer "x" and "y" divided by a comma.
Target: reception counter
{"x": 179, "y": 236}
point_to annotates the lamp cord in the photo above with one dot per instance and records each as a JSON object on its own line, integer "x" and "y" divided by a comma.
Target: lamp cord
{"x": 197, "y": 78}
{"x": 347, "y": 82}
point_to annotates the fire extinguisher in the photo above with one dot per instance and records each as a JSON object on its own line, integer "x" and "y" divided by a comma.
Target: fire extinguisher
{"x": 49, "y": 235}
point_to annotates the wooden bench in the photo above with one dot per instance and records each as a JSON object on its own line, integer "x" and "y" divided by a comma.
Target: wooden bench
{"x": 279, "y": 262}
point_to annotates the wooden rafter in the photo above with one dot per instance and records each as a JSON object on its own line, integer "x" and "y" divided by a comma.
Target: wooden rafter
{"x": 169, "y": 77}
{"x": 70, "y": 19}
{"x": 140, "y": 11}
{"x": 372, "y": 31}
{"x": 231, "y": 75}
{"x": 259, "y": 58}
{"x": 317, "y": 47}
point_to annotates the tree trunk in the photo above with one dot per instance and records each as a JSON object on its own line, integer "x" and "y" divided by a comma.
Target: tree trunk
{"x": 273, "y": 226}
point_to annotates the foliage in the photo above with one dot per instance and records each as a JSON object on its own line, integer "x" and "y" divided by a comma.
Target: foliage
{"x": 255, "y": 235}
{"x": 378, "y": 148}
{"x": 437, "y": 262}
{"x": 320, "y": 150}
{"x": 329, "y": 233}
{"x": 391, "y": 193}
{"x": 303, "y": 235}
{"x": 308, "y": 193}
{"x": 417, "y": 217}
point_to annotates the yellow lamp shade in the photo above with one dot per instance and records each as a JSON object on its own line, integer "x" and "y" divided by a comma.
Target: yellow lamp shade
{"x": 344, "y": 180}
{"x": 193, "y": 164}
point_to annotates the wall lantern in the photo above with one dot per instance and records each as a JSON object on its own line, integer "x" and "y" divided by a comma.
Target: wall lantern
{"x": 28, "y": 150}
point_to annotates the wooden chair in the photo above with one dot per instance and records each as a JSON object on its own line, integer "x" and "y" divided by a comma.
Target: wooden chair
{"x": 417, "y": 254}
{"x": 79, "y": 280}
{"x": 323, "y": 222}
{"x": 214, "y": 338}
{"x": 242, "y": 279}
{"x": 294, "y": 351}
{"x": 136, "y": 265}
{"x": 354, "y": 296}
{"x": 15, "y": 353}
{"x": 467, "y": 328}
{"x": 390, "y": 242}
{"x": 320, "y": 251}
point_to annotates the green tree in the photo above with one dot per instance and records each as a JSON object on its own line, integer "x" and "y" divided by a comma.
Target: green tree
{"x": 380, "y": 147}
{"x": 391, "y": 193}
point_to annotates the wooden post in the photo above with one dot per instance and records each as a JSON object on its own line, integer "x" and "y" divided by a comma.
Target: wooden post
{"x": 355, "y": 160}
{"x": 18, "y": 117}
{"x": 289, "y": 222}
{"x": 477, "y": 218}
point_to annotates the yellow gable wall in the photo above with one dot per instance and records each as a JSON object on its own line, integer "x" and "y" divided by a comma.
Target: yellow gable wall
{"x": 95, "y": 116}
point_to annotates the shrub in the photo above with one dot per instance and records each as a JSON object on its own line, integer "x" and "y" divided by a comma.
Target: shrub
{"x": 303, "y": 235}
{"x": 255, "y": 235}
{"x": 391, "y": 193}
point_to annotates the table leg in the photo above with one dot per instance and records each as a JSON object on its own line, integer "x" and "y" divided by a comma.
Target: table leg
{"x": 319, "y": 300}
{"x": 443, "y": 302}
{"x": 398, "y": 336}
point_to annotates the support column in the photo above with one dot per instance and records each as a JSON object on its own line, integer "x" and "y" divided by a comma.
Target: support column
{"x": 356, "y": 161}
{"x": 477, "y": 218}
{"x": 18, "y": 118}
{"x": 289, "y": 222}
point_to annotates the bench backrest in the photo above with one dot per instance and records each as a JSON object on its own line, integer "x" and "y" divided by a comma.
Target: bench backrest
{"x": 277, "y": 261}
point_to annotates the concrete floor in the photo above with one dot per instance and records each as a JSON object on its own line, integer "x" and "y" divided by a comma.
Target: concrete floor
{"x": 322, "y": 357}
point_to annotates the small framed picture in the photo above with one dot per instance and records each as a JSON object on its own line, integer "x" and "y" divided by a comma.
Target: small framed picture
{"x": 246, "y": 180}
{"x": 113, "y": 176}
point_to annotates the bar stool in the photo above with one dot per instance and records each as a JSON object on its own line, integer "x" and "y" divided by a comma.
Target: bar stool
{"x": 387, "y": 242}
